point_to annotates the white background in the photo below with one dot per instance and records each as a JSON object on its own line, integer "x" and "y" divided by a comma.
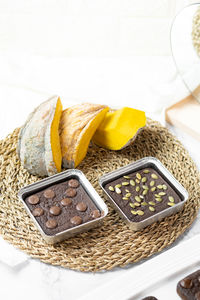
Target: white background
{"x": 115, "y": 52}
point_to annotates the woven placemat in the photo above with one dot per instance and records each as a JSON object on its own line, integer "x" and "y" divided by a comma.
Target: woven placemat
{"x": 112, "y": 244}
{"x": 196, "y": 31}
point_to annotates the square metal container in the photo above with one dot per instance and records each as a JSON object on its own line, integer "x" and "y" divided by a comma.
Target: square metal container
{"x": 147, "y": 162}
{"x": 58, "y": 178}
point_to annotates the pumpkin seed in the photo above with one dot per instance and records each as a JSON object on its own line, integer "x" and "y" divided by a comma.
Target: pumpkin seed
{"x": 145, "y": 187}
{"x": 128, "y": 195}
{"x": 160, "y": 187}
{"x": 137, "y": 198}
{"x": 171, "y": 199}
{"x": 152, "y": 183}
{"x": 134, "y": 212}
{"x": 140, "y": 212}
{"x": 125, "y": 183}
{"x": 138, "y": 176}
{"x": 153, "y": 189}
{"x": 136, "y": 204}
{"x": 144, "y": 179}
{"x": 126, "y": 190}
{"x": 125, "y": 176}
{"x": 125, "y": 198}
{"x": 132, "y": 205}
{"x": 151, "y": 208}
{"x": 154, "y": 176}
{"x": 142, "y": 197}
{"x": 152, "y": 203}
{"x": 161, "y": 193}
{"x": 170, "y": 203}
{"x": 118, "y": 185}
{"x": 164, "y": 187}
{"x": 111, "y": 188}
{"x": 144, "y": 192}
{"x": 146, "y": 171}
{"x": 137, "y": 188}
{"x": 137, "y": 180}
{"x": 117, "y": 190}
{"x": 144, "y": 203}
{"x": 132, "y": 182}
{"x": 156, "y": 195}
{"x": 159, "y": 199}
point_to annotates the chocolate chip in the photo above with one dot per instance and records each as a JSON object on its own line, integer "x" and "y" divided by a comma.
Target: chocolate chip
{"x": 55, "y": 210}
{"x": 81, "y": 206}
{"x": 33, "y": 199}
{"x": 49, "y": 194}
{"x": 73, "y": 183}
{"x": 186, "y": 283}
{"x": 38, "y": 211}
{"x": 95, "y": 214}
{"x": 70, "y": 192}
{"x": 66, "y": 202}
{"x": 51, "y": 224}
{"x": 197, "y": 296}
{"x": 76, "y": 220}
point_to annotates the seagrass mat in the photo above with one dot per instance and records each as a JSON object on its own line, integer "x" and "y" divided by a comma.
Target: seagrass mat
{"x": 112, "y": 244}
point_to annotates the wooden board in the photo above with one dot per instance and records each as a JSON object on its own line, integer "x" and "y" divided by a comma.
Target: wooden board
{"x": 185, "y": 115}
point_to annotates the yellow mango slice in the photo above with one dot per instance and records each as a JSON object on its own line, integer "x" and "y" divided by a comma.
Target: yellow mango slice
{"x": 77, "y": 126}
{"x": 119, "y": 128}
{"x": 39, "y": 144}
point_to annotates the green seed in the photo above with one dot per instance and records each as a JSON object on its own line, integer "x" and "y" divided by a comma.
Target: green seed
{"x": 151, "y": 208}
{"x": 152, "y": 183}
{"x": 161, "y": 193}
{"x": 132, "y": 182}
{"x": 134, "y": 212}
{"x": 128, "y": 195}
{"x": 138, "y": 176}
{"x": 171, "y": 199}
{"x": 118, "y": 185}
{"x": 140, "y": 212}
{"x": 125, "y": 198}
{"x": 117, "y": 190}
{"x": 146, "y": 171}
{"x": 142, "y": 197}
{"x": 160, "y": 187}
{"x": 125, "y": 183}
{"x": 164, "y": 187}
{"x": 144, "y": 179}
{"x": 144, "y": 203}
{"x": 111, "y": 188}
{"x": 126, "y": 190}
{"x": 144, "y": 192}
{"x": 153, "y": 189}
{"x": 152, "y": 203}
{"x": 154, "y": 176}
{"x": 136, "y": 204}
{"x": 132, "y": 205}
{"x": 137, "y": 198}
{"x": 127, "y": 177}
{"x": 159, "y": 199}
{"x": 137, "y": 180}
{"x": 137, "y": 188}
{"x": 145, "y": 187}
{"x": 156, "y": 195}
{"x": 170, "y": 204}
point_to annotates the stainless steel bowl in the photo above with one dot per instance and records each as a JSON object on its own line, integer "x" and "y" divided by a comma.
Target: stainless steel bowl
{"x": 61, "y": 177}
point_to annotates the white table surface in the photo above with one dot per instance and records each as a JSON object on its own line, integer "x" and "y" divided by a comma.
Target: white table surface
{"x": 24, "y": 278}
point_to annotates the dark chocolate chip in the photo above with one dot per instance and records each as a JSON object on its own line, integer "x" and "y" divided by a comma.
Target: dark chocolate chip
{"x": 197, "y": 296}
{"x": 38, "y": 211}
{"x": 76, "y": 220}
{"x": 33, "y": 199}
{"x": 70, "y": 192}
{"x": 150, "y": 298}
{"x": 73, "y": 183}
{"x": 49, "y": 194}
{"x": 66, "y": 201}
{"x": 55, "y": 210}
{"x": 186, "y": 283}
{"x": 51, "y": 224}
{"x": 81, "y": 206}
{"x": 95, "y": 214}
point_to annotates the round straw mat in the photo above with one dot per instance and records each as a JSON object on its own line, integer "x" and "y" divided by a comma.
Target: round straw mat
{"x": 113, "y": 244}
